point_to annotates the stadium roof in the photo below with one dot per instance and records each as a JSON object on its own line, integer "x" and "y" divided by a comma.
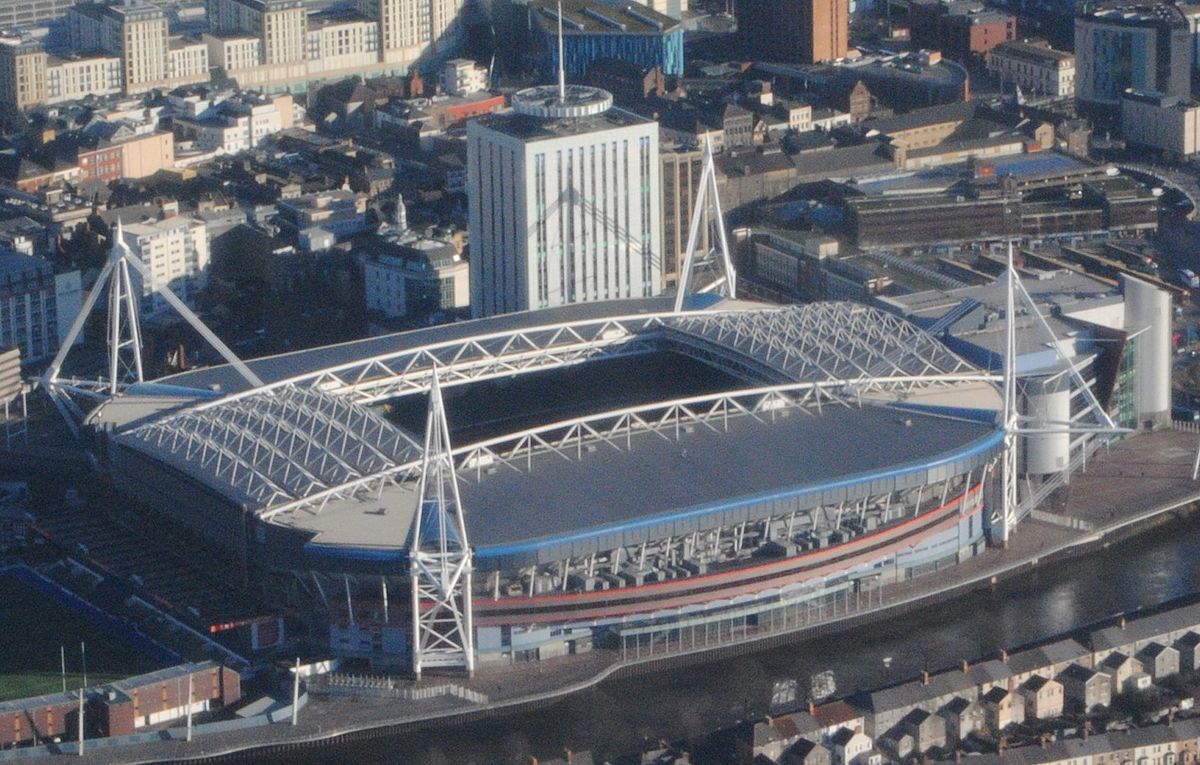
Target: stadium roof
{"x": 307, "y": 451}
{"x": 659, "y": 488}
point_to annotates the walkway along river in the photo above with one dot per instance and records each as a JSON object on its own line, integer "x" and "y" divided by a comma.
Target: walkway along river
{"x": 619, "y": 715}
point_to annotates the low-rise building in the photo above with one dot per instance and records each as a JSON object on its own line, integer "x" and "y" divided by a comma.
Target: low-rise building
{"x": 1160, "y": 121}
{"x": 462, "y": 77}
{"x": 805, "y": 752}
{"x": 236, "y": 123}
{"x": 341, "y": 213}
{"x": 416, "y": 278}
{"x": 1085, "y": 689}
{"x": 1189, "y": 651}
{"x": 928, "y": 730}
{"x": 963, "y": 717}
{"x": 1043, "y": 698}
{"x": 1034, "y": 67}
{"x": 1002, "y": 708}
{"x": 1120, "y": 669}
{"x": 850, "y": 747}
{"x": 1159, "y": 660}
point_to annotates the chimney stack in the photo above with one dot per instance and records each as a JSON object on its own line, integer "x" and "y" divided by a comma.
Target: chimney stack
{"x": 966, "y": 666}
{"x": 924, "y": 677}
{"x": 1121, "y": 623}
{"x": 1003, "y": 655}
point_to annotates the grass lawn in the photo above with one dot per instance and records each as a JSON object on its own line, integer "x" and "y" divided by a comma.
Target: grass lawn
{"x": 32, "y": 629}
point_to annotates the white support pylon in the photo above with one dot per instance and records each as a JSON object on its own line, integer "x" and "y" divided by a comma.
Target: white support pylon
{"x": 443, "y": 632}
{"x": 1015, "y": 424}
{"x": 708, "y": 203}
{"x": 124, "y": 332}
{"x": 1008, "y": 501}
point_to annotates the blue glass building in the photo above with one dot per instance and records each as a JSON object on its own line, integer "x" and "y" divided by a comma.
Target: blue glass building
{"x": 593, "y": 30}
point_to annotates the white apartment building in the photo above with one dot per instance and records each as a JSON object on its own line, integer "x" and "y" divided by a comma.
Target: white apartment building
{"x": 187, "y": 60}
{"x": 564, "y": 203}
{"x": 462, "y": 77}
{"x": 176, "y": 251}
{"x": 233, "y": 51}
{"x": 1035, "y": 67}
{"x": 280, "y": 25}
{"x": 1167, "y": 123}
{"x": 233, "y": 124}
{"x": 70, "y": 79}
{"x": 341, "y": 43}
{"x": 135, "y": 32}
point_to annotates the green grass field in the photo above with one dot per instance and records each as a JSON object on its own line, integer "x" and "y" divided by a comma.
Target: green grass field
{"x": 32, "y": 628}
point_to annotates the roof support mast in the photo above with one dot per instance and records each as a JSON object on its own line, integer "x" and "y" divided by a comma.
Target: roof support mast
{"x": 124, "y": 364}
{"x": 1008, "y": 502}
{"x": 707, "y": 207}
{"x": 443, "y": 633}
{"x": 1015, "y": 424}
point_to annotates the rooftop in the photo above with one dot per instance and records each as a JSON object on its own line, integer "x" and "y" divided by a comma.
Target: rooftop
{"x": 536, "y": 127}
{"x": 587, "y": 17}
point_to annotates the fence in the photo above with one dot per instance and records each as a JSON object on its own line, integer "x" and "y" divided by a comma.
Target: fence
{"x": 383, "y": 687}
{"x": 280, "y": 715}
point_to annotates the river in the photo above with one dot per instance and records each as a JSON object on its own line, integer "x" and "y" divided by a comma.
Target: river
{"x": 619, "y": 715}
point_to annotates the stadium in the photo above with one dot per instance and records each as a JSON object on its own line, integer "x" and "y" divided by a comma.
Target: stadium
{"x": 540, "y": 483}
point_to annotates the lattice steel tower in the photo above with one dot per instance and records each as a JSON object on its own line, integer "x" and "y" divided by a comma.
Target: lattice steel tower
{"x": 439, "y": 556}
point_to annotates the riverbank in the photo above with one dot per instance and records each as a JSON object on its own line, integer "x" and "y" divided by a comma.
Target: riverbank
{"x": 1105, "y": 499}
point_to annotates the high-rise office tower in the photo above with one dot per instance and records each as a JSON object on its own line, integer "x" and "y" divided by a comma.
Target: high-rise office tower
{"x": 564, "y": 202}
{"x": 806, "y": 31}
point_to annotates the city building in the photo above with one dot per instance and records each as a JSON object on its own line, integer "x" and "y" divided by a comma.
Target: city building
{"x": 1168, "y": 123}
{"x": 1119, "y": 46}
{"x": 231, "y": 124}
{"x": 71, "y": 78}
{"x": 337, "y": 212}
{"x": 901, "y": 82}
{"x": 108, "y": 158}
{"x": 680, "y": 176}
{"x": 964, "y": 30}
{"x": 135, "y": 32}
{"x": 22, "y": 73}
{"x": 1034, "y": 67}
{"x": 804, "y": 31}
{"x": 23, "y": 13}
{"x": 281, "y": 26}
{"x": 463, "y": 77}
{"x": 1043, "y": 698}
{"x": 175, "y": 249}
{"x": 565, "y": 203}
{"x": 595, "y": 30}
{"x": 416, "y": 277}
{"x": 32, "y": 300}
{"x": 412, "y": 29}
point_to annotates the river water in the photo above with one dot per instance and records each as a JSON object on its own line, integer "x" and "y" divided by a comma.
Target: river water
{"x": 619, "y": 716}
